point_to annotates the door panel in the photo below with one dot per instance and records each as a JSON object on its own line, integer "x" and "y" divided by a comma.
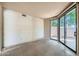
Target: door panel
{"x": 54, "y": 29}
{"x": 62, "y": 29}
{"x": 71, "y": 29}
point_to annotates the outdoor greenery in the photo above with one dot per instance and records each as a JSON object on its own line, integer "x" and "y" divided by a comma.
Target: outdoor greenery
{"x": 62, "y": 21}
{"x": 70, "y": 19}
{"x": 54, "y": 22}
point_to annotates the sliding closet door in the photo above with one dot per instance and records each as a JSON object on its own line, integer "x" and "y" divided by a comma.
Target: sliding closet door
{"x": 54, "y": 29}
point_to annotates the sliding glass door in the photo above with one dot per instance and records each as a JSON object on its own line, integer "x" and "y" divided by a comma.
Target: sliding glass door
{"x": 54, "y": 29}
{"x": 68, "y": 29}
{"x": 62, "y": 29}
{"x": 65, "y": 29}
{"x": 70, "y": 19}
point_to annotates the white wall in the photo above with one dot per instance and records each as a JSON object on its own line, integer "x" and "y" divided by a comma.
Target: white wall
{"x": 38, "y": 28}
{"x": 19, "y": 29}
{"x": 47, "y": 29}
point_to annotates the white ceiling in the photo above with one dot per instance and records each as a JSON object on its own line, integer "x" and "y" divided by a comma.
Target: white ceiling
{"x": 37, "y": 9}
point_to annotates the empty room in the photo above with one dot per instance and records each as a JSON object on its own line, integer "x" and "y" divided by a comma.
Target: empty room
{"x": 39, "y": 28}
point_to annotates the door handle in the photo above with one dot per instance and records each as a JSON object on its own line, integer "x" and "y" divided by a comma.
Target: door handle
{"x": 75, "y": 33}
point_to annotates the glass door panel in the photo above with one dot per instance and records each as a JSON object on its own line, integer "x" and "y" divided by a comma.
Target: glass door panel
{"x": 54, "y": 28}
{"x": 62, "y": 29}
{"x": 70, "y": 19}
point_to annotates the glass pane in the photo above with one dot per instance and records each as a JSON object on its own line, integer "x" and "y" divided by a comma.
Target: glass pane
{"x": 62, "y": 29}
{"x": 71, "y": 29}
{"x": 54, "y": 27}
